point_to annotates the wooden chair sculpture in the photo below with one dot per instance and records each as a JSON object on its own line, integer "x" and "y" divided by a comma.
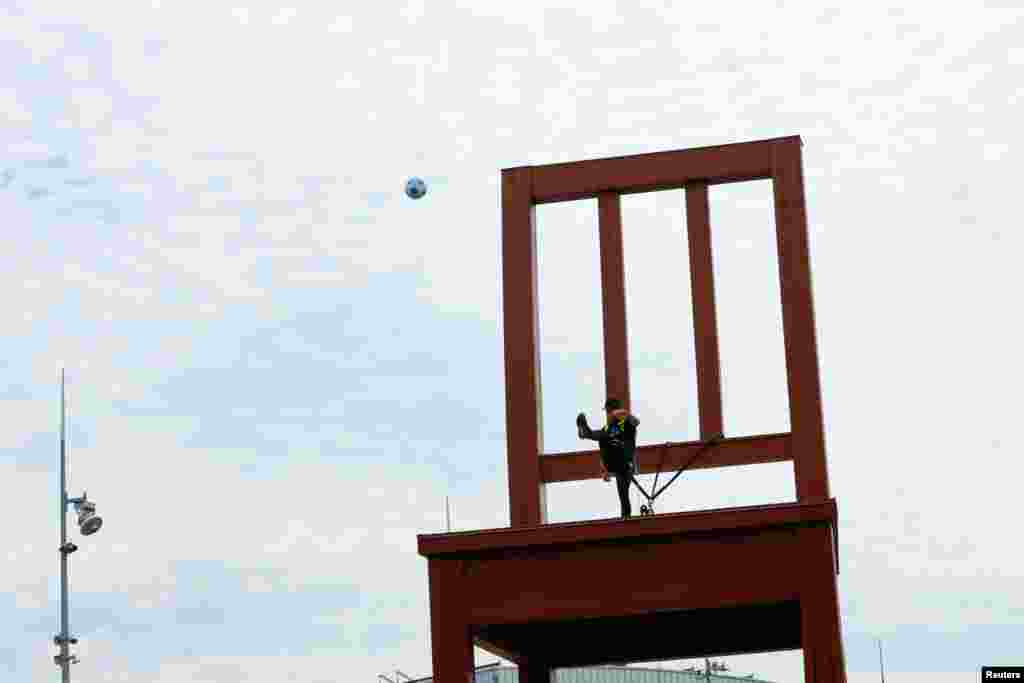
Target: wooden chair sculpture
{"x": 666, "y": 586}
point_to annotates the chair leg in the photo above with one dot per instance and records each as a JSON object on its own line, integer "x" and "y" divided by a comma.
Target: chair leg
{"x": 451, "y": 636}
{"x": 821, "y": 632}
{"x": 534, "y": 672}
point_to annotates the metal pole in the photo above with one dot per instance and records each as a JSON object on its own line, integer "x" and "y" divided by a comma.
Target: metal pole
{"x": 65, "y": 663}
{"x": 881, "y": 663}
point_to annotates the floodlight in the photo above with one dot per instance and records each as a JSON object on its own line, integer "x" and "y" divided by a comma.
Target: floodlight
{"x": 88, "y": 521}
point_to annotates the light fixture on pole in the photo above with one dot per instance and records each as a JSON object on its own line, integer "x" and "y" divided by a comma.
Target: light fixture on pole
{"x": 88, "y": 523}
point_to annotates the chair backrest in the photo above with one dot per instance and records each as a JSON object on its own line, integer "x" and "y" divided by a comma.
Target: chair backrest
{"x": 693, "y": 171}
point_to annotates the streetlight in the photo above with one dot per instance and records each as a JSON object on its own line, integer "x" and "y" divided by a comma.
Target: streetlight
{"x": 88, "y": 524}
{"x": 881, "y": 662}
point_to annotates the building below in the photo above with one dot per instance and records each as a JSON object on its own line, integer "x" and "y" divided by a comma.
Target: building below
{"x": 607, "y": 674}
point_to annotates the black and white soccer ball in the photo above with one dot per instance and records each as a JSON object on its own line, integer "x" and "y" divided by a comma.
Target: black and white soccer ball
{"x": 415, "y": 188}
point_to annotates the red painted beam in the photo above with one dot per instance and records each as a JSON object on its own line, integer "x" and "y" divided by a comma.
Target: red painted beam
{"x": 824, "y": 660}
{"x": 704, "y": 571}
{"x": 746, "y": 450}
{"x": 451, "y": 637}
{"x": 705, "y": 321}
{"x": 671, "y": 524}
{"x": 522, "y": 358}
{"x": 613, "y": 298}
{"x": 657, "y": 171}
{"x": 799, "y": 334}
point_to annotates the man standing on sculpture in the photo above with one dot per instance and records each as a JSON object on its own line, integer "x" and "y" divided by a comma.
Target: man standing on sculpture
{"x": 617, "y": 441}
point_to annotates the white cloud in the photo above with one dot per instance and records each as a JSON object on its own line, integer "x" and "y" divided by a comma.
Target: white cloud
{"x": 144, "y": 190}
{"x": 312, "y": 530}
{"x": 90, "y": 107}
{"x": 25, "y": 31}
{"x": 915, "y": 677}
{"x": 284, "y": 16}
{"x": 25, "y": 419}
{"x": 77, "y": 67}
{"x": 332, "y": 277}
{"x": 29, "y": 150}
{"x": 74, "y": 273}
{"x": 900, "y": 306}
{"x": 341, "y": 24}
{"x": 12, "y": 109}
{"x": 125, "y": 145}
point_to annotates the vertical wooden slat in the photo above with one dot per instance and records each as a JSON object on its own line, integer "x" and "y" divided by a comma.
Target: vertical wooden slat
{"x": 798, "y": 323}
{"x": 613, "y": 297}
{"x": 522, "y": 358}
{"x": 705, "y": 319}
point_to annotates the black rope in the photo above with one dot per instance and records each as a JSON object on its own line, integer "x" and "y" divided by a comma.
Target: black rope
{"x": 657, "y": 492}
{"x": 661, "y": 461}
{"x": 641, "y": 487}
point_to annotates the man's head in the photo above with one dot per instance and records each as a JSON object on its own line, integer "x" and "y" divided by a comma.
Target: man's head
{"x": 612, "y": 406}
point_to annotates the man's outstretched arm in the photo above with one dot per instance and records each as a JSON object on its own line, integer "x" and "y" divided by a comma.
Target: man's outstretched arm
{"x": 585, "y": 431}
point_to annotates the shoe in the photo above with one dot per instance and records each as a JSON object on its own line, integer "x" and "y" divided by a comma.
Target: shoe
{"x": 582, "y": 427}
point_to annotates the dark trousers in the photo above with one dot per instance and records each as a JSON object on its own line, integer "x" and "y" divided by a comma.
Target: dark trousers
{"x": 623, "y": 479}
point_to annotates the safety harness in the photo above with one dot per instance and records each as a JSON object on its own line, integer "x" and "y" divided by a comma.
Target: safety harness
{"x": 648, "y": 509}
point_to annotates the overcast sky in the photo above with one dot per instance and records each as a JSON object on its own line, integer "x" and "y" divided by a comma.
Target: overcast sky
{"x": 279, "y": 366}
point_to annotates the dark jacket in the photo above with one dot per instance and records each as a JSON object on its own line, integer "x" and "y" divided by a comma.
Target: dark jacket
{"x": 617, "y": 442}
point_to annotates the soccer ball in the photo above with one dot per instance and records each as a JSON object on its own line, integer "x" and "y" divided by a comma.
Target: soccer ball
{"x": 415, "y": 188}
